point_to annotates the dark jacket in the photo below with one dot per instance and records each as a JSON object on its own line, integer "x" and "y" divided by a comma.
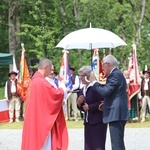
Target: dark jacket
{"x": 9, "y": 83}
{"x": 142, "y": 87}
{"x": 115, "y": 97}
{"x": 93, "y": 100}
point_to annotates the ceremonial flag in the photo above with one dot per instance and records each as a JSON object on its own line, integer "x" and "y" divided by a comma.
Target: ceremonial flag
{"x": 64, "y": 73}
{"x": 134, "y": 74}
{"x": 23, "y": 77}
{"x": 97, "y": 66}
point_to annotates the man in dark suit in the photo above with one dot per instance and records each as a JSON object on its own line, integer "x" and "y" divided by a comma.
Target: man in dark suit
{"x": 115, "y": 108}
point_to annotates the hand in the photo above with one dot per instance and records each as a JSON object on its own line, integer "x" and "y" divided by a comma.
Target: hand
{"x": 80, "y": 100}
{"x": 92, "y": 77}
{"x": 85, "y": 107}
{"x": 8, "y": 100}
{"x": 100, "y": 107}
{"x": 62, "y": 85}
{"x": 69, "y": 90}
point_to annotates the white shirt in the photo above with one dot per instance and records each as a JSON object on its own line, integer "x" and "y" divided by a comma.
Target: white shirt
{"x": 13, "y": 88}
{"x": 76, "y": 83}
{"x": 51, "y": 81}
{"x": 84, "y": 93}
{"x": 146, "y": 84}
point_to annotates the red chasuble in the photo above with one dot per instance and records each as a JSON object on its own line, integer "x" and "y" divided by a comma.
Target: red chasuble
{"x": 44, "y": 114}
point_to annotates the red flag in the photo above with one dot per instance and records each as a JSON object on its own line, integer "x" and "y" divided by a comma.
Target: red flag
{"x": 134, "y": 75}
{"x": 97, "y": 66}
{"x": 24, "y": 77}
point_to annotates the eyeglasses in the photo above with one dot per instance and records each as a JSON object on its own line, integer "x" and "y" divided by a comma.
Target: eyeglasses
{"x": 81, "y": 76}
{"x": 104, "y": 63}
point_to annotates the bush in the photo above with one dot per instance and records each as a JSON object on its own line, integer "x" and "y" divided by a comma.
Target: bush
{"x": 2, "y": 93}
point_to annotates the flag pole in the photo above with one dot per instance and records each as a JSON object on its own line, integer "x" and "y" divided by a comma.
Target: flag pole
{"x": 137, "y": 104}
{"x": 23, "y": 78}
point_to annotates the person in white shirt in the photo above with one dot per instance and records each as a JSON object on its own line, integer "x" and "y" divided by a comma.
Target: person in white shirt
{"x": 12, "y": 97}
{"x": 145, "y": 93}
{"x": 72, "y": 99}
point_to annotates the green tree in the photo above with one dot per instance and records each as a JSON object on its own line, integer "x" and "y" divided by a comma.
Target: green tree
{"x": 41, "y": 24}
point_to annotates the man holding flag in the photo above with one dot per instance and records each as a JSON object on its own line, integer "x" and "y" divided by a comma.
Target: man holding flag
{"x": 65, "y": 75}
{"x": 72, "y": 99}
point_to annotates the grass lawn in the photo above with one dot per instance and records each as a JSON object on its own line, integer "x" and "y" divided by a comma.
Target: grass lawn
{"x": 1, "y": 93}
{"x": 79, "y": 124}
{"x": 70, "y": 124}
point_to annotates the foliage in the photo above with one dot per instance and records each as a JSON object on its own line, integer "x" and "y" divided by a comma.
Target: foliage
{"x": 3, "y": 75}
{"x": 2, "y": 93}
{"x": 4, "y": 43}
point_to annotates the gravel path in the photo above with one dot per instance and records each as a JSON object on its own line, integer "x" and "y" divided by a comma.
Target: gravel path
{"x": 135, "y": 139}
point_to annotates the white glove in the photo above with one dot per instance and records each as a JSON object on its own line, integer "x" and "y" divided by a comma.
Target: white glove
{"x": 139, "y": 96}
{"x": 62, "y": 85}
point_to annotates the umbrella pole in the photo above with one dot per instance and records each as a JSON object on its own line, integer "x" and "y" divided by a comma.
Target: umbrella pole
{"x": 91, "y": 52}
{"x": 91, "y": 56}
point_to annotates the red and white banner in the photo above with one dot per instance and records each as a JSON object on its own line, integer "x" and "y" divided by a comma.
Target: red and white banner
{"x": 134, "y": 87}
{"x": 4, "y": 113}
{"x": 97, "y": 66}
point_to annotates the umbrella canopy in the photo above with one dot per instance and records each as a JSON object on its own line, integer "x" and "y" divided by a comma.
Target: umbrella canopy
{"x": 90, "y": 38}
{"x": 6, "y": 59}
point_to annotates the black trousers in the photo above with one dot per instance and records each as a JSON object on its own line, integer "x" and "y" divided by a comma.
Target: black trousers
{"x": 21, "y": 110}
{"x": 117, "y": 134}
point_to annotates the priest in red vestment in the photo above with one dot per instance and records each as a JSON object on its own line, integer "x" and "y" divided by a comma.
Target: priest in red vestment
{"x": 44, "y": 123}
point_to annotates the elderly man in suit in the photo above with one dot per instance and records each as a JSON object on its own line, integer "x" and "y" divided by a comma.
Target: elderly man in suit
{"x": 115, "y": 109}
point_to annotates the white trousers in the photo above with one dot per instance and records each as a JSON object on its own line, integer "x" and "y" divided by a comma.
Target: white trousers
{"x": 14, "y": 104}
{"x": 145, "y": 101}
{"x": 72, "y": 101}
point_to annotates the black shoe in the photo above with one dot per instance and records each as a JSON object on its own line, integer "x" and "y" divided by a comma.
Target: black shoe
{"x": 21, "y": 118}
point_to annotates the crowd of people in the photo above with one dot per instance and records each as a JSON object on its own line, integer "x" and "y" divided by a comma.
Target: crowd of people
{"x": 139, "y": 104}
{"x": 99, "y": 105}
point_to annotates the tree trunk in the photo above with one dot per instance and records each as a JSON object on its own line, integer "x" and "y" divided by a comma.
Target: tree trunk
{"x": 14, "y": 26}
{"x": 63, "y": 14}
{"x": 138, "y": 22}
{"x": 76, "y": 12}
{"x": 138, "y": 32}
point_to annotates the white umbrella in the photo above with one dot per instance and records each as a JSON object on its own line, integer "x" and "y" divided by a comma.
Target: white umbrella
{"x": 90, "y": 38}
